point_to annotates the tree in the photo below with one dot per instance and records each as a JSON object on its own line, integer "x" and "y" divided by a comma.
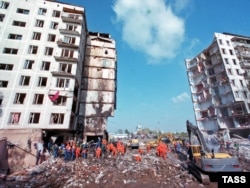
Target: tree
{"x": 127, "y": 132}
{"x": 120, "y": 131}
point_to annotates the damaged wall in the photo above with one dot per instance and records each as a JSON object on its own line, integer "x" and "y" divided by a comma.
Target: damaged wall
{"x": 98, "y": 87}
{"x": 19, "y": 156}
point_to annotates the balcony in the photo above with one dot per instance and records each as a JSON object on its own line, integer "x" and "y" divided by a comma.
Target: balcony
{"x": 65, "y": 59}
{"x": 247, "y": 75}
{"x": 72, "y": 19}
{"x": 69, "y": 32}
{"x": 245, "y": 64}
{"x": 248, "y": 87}
{"x": 63, "y": 74}
{"x": 243, "y": 54}
{"x": 67, "y": 45}
{"x": 191, "y": 64}
{"x": 242, "y": 44}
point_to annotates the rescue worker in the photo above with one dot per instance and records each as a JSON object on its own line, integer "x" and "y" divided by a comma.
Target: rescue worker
{"x": 190, "y": 153}
{"x": 140, "y": 151}
{"x": 84, "y": 150}
{"x": 38, "y": 150}
{"x": 29, "y": 144}
{"x": 68, "y": 152}
{"x": 114, "y": 150}
{"x": 178, "y": 147}
{"x": 103, "y": 150}
{"x": 98, "y": 144}
{"x": 98, "y": 152}
{"x": 55, "y": 150}
{"x": 122, "y": 149}
{"x": 148, "y": 148}
{"x": 73, "y": 152}
{"x": 137, "y": 158}
{"x": 78, "y": 152}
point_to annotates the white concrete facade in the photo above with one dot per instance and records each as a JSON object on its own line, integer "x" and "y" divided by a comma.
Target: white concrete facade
{"x": 42, "y": 47}
{"x": 219, "y": 83}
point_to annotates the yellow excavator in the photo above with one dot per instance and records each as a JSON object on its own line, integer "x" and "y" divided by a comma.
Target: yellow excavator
{"x": 204, "y": 163}
{"x": 155, "y": 142}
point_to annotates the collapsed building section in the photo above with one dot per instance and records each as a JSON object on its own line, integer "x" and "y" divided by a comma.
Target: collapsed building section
{"x": 98, "y": 89}
{"x": 219, "y": 83}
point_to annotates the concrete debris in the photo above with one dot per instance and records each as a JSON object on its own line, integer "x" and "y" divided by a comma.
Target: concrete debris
{"x": 108, "y": 172}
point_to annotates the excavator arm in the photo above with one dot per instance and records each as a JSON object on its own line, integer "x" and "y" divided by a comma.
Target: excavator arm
{"x": 191, "y": 129}
{"x": 206, "y": 163}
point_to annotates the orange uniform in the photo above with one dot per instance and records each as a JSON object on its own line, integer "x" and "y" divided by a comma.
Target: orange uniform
{"x": 148, "y": 148}
{"x": 78, "y": 152}
{"x": 98, "y": 152}
{"x": 138, "y": 158}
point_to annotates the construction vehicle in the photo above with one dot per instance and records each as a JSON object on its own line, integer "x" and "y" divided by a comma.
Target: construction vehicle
{"x": 205, "y": 164}
{"x": 155, "y": 142}
{"x": 133, "y": 143}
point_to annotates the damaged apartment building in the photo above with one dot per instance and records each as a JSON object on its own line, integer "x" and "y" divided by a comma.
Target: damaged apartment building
{"x": 219, "y": 82}
{"x": 57, "y": 79}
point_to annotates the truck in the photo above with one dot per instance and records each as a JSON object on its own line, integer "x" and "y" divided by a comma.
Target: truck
{"x": 133, "y": 143}
{"x": 205, "y": 163}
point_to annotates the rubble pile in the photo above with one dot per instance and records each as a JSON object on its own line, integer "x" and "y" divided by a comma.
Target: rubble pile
{"x": 108, "y": 172}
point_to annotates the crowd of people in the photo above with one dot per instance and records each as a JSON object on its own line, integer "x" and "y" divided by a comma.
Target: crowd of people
{"x": 72, "y": 150}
